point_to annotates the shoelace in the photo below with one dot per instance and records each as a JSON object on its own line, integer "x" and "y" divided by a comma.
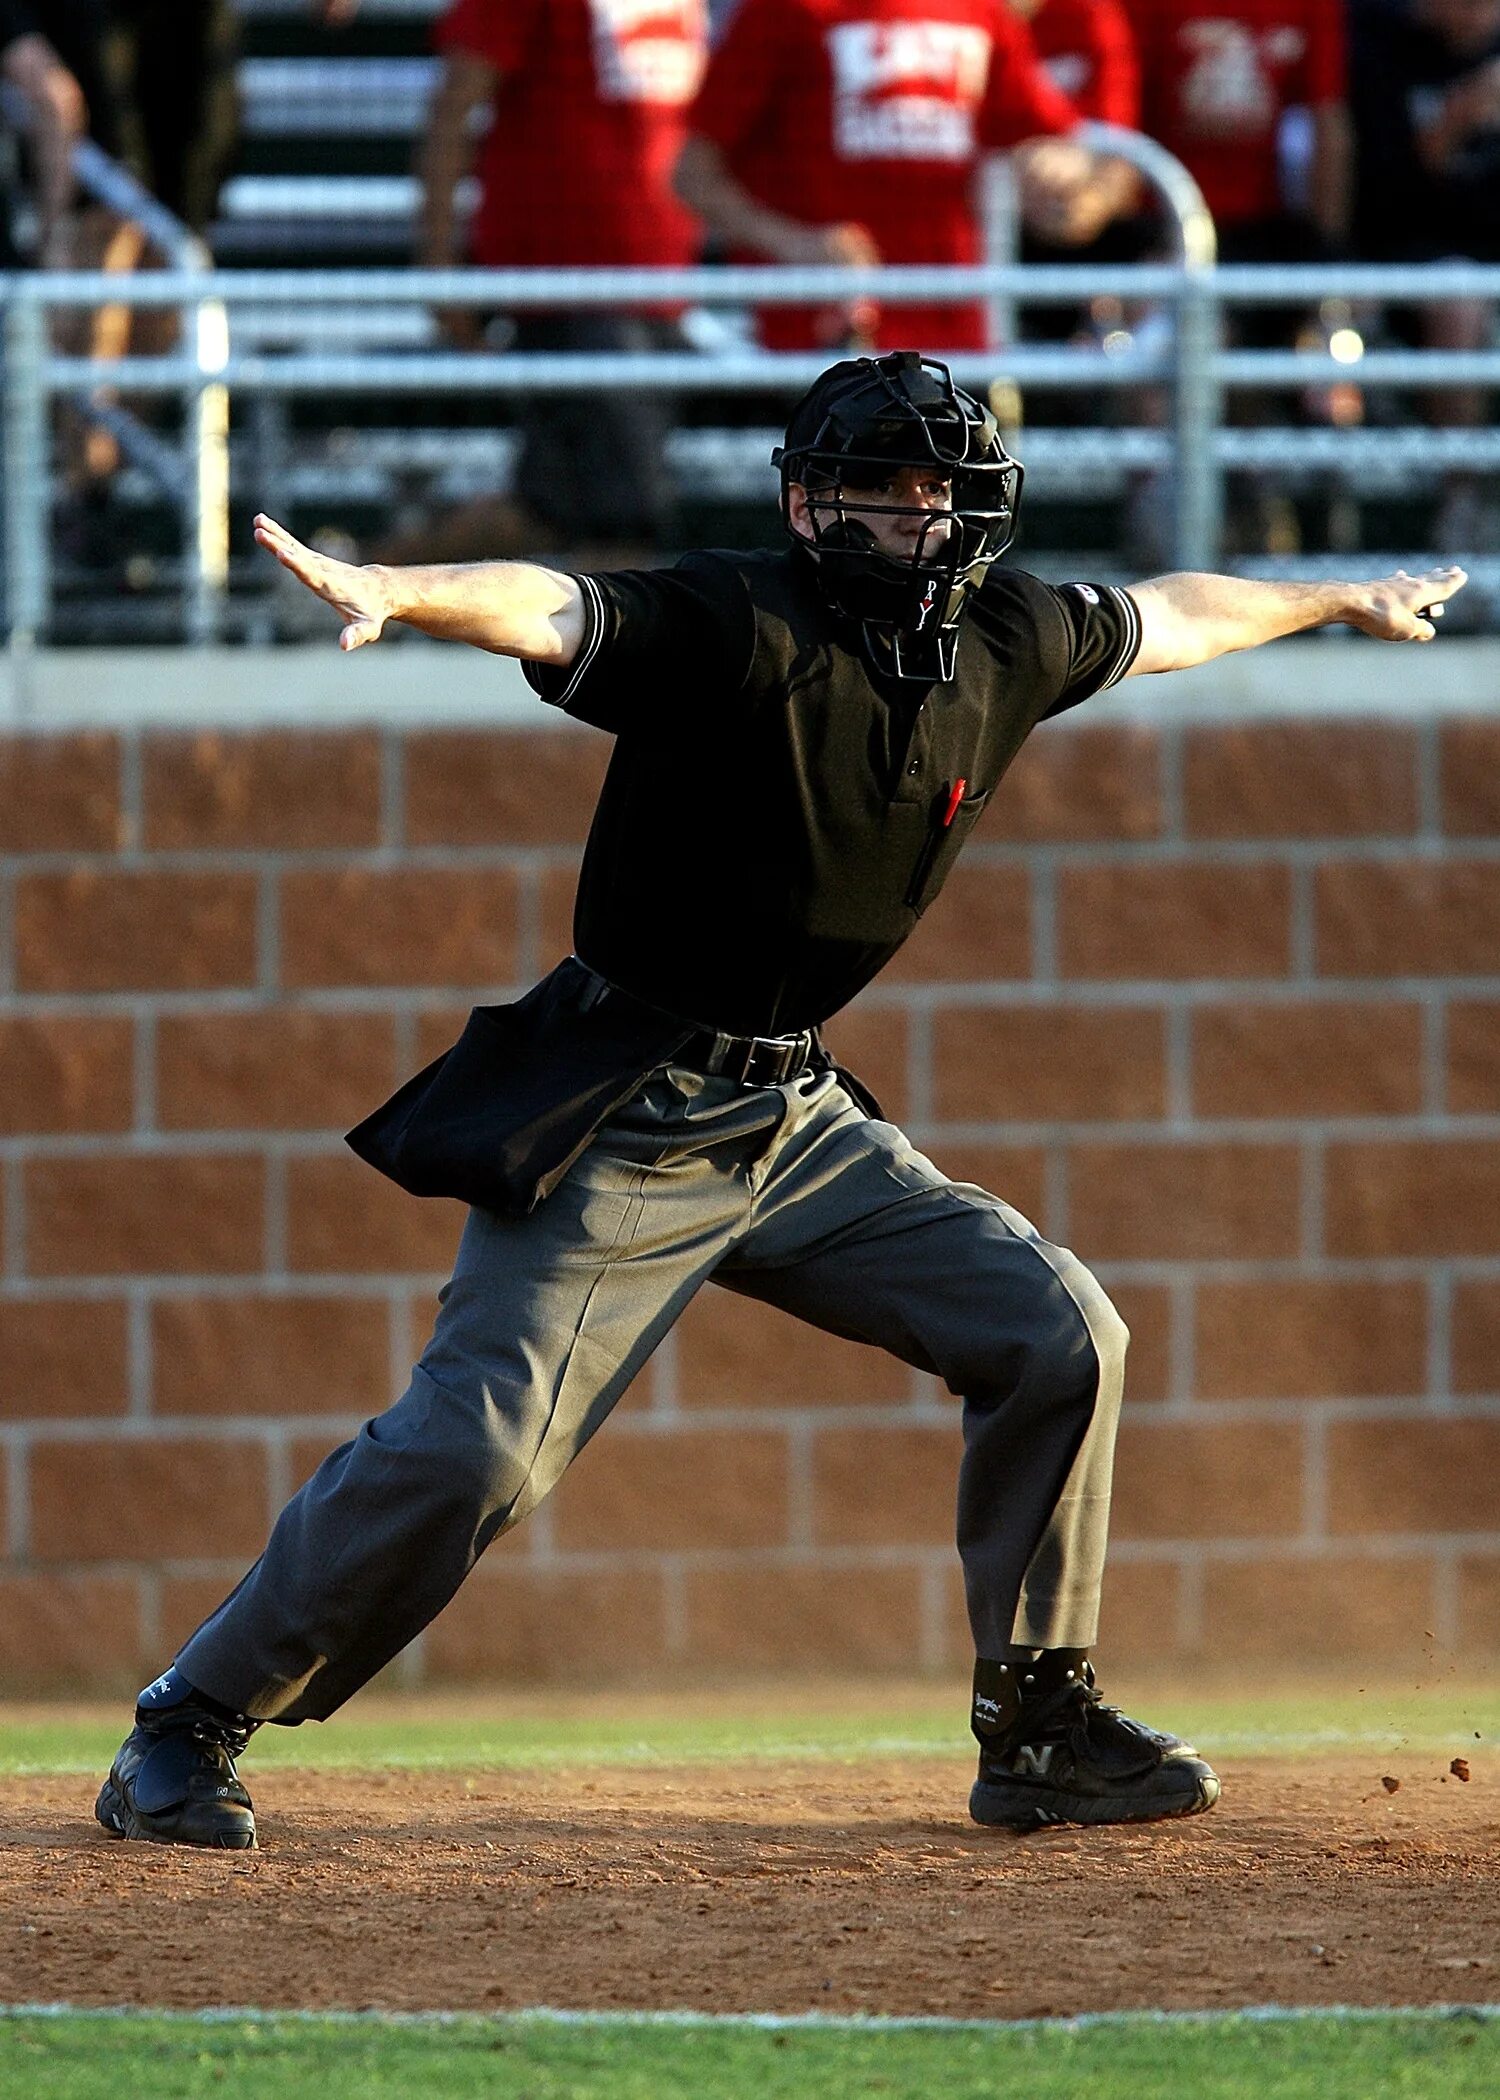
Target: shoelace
{"x": 226, "y": 1734}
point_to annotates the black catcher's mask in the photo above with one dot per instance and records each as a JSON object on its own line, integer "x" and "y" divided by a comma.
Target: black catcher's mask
{"x": 860, "y": 420}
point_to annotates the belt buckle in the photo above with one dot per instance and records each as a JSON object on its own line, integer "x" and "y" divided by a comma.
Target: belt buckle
{"x": 752, "y": 1075}
{"x": 781, "y": 1058}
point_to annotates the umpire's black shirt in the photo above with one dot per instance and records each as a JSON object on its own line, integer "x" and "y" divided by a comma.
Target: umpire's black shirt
{"x": 778, "y": 814}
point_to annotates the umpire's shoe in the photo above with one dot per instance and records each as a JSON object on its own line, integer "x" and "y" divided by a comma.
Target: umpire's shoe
{"x": 173, "y": 1779}
{"x": 1051, "y": 1751}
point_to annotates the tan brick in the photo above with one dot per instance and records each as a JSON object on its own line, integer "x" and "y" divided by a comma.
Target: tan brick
{"x": 384, "y": 926}
{"x": 1329, "y": 1609}
{"x": 1279, "y": 780}
{"x": 269, "y": 1356}
{"x": 1479, "y": 1603}
{"x": 861, "y": 1618}
{"x": 1413, "y": 1476}
{"x": 1140, "y": 1612}
{"x": 1052, "y": 1064}
{"x": 1470, "y": 774}
{"x": 510, "y": 1623}
{"x": 1182, "y": 1480}
{"x": 94, "y": 930}
{"x": 62, "y": 1357}
{"x": 979, "y": 928}
{"x": 343, "y": 1217}
{"x": 438, "y": 1029}
{"x": 872, "y": 1042}
{"x": 556, "y": 890}
{"x": 1303, "y": 1339}
{"x": 1413, "y": 1196}
{"x": 1175, "y": 920}
{"x": 1099, "y": 782}
{"x": 163, "y": 1498}
{"x": 1017, "y": 1174}
{"x": 70, "y": 1633}
{"x": 885, "y": 1487}
{"x": 735, "y": 1352}
{"x": 1474, "y": 1056}
{"x": 66, "y": 1072}
{"x": 153, "y": 1214}
{"x": 1351, "y": 1058}
{"x": 684, "y": 1488}
{"x": 1195, "y": 1202}
{"x": 1476, "y": 1336}
{"x": 186, "y": 1601}
{"x": 306, "y": 1453}
{"x": 468, "y": 787}
{"x": 282, "y": 1069}
{"x": 1146, "y": 1309}
{"x": 283, "y": 788}
{"x": 1415, "y": 918}
{"x": 60, "y": 794}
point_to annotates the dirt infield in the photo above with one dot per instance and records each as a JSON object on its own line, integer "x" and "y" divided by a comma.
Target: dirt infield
{"x": 764, "y": 1886}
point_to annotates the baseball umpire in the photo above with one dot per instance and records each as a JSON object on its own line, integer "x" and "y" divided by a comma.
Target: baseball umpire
{"x": 803, "y": 741}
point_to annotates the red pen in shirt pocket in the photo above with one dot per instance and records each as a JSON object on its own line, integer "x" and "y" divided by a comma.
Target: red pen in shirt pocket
{"x": 944, "y": 809}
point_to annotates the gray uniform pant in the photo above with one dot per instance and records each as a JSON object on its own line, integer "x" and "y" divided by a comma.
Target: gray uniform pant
{"x": 791, "y": 1194}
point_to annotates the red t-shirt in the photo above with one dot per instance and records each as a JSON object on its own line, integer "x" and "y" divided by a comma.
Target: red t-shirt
{"x": 875, "y": 112}
{"x": 587, "y": 125}
{"x": 1217, "y": 81}
{"x": 1087, "y": 48}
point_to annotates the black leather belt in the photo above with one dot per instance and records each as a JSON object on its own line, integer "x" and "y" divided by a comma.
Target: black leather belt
{"x": 753, "y": 1060}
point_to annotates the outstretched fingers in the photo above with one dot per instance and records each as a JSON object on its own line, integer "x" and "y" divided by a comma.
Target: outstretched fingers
{"x": 315, "y": 570}
{"x": 354, "y": 592}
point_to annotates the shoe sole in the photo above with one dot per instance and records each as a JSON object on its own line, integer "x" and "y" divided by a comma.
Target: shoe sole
{"x": 1019, "y": 1808}
{"x": 115, "y": 1816}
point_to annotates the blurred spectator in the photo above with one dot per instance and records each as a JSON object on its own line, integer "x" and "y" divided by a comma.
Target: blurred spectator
{"x": 820, "y": 138}
{"x": 56, "y": 118}
{"x": 143, "y": 72}
{"x": 1070, "y": 199}
{"x": 585, "y": 100}
{"x": 173, "y": 59}
{"x": 1426, "y": 99}
{"x": 1218, "y": 78}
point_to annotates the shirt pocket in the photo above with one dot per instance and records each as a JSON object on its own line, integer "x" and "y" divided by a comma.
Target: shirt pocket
{"x": 948, "y": 825}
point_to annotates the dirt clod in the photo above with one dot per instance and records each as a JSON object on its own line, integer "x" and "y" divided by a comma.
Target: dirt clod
{"x": 1391, "y": 1785}
{"x": 1460, "y": 1768}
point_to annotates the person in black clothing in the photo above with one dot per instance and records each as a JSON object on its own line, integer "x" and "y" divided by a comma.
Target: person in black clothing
{"x": 1425, "y": 98}
{"x": 1425, "y": 91}
{"x": 803, "y": 740}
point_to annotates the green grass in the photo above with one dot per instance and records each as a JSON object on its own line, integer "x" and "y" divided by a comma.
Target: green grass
{"x": 78, "y": 2056}
{"x": 849, "y": 1722}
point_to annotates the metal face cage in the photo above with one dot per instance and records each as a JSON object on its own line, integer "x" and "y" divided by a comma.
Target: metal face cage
{"x": 862, "y": 421}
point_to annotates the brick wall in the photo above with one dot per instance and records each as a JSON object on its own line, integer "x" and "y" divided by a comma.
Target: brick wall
{"x": 1219, "y": 1006}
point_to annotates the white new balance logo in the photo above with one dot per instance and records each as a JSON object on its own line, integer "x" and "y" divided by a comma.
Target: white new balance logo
{"x": 1035, "y": 1758}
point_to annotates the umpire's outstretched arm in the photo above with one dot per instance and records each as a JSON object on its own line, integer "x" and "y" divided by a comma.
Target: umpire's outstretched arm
{"x": 1190, "y": 619}
{"x": 513, "y": 608}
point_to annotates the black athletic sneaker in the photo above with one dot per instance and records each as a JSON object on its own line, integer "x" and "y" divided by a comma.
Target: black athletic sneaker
{"x": 173, "y": 1779}
{"x": 1060, "y": 1755}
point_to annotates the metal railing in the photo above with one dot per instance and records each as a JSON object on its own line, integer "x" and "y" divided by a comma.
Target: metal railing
{"x": 207, "y": 371}
{"x": 229, "y": 351}
{"x": 198, "y": 480}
